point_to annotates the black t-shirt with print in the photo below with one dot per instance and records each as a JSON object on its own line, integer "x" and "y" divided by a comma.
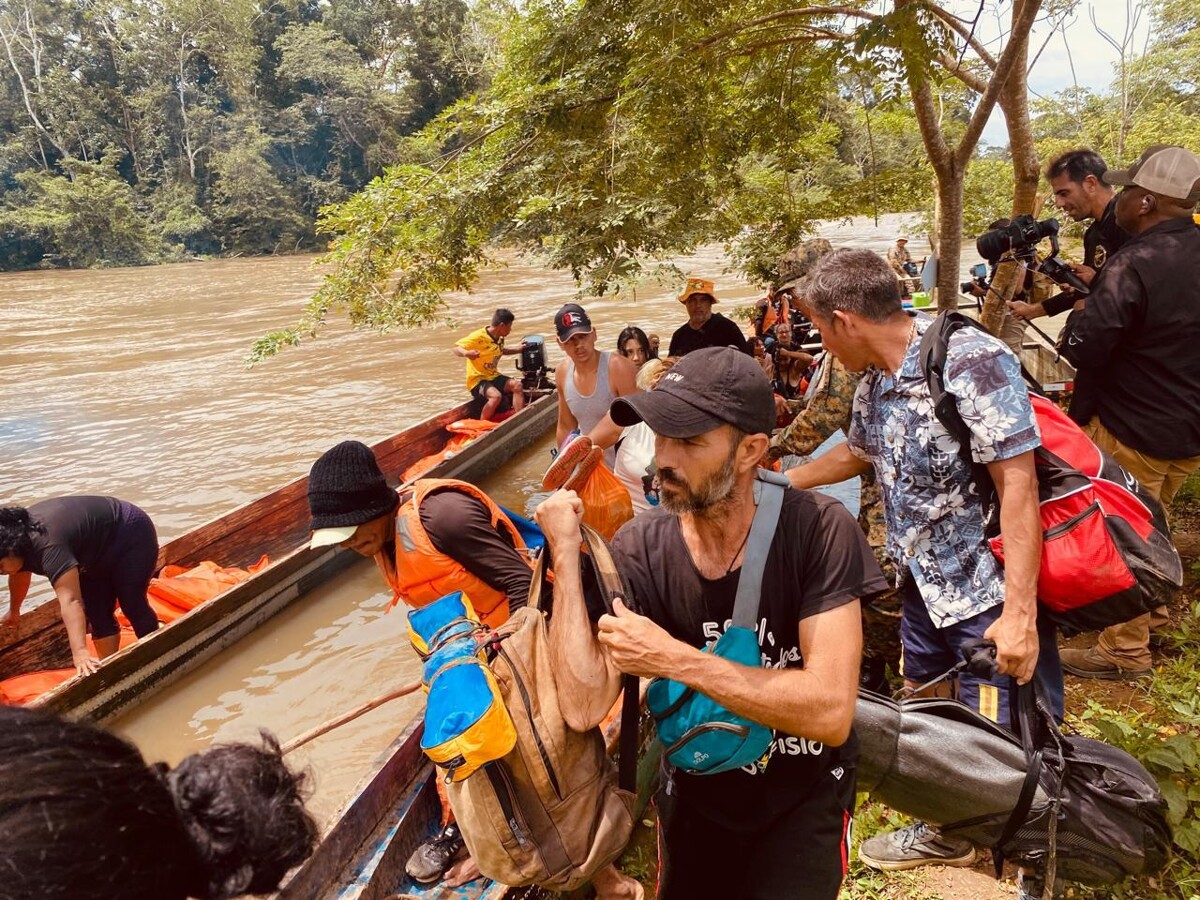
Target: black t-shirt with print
{"x": 819, "y": 560}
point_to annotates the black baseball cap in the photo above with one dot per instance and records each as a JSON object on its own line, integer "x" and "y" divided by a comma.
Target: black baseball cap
{"x": 571, "y": 320}
{"x": 704, "y": 390}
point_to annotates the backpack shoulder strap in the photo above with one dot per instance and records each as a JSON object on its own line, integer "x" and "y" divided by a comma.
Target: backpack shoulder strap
{"x": 931, "y": 355}
{"x": 769, "y": 486}
{"x": 612, "y": 585}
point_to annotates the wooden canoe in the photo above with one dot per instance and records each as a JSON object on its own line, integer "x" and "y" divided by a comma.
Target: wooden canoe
{"x": 396, "y": 808}
{"x": 276, "y": 525}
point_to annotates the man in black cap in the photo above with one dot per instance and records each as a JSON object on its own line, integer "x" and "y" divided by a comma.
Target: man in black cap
{"x": 779, "y": 827}
{"x": 588, "y": 381}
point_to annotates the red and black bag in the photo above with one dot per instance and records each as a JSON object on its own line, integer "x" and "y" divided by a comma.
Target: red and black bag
{"x": 1107, "y": 555}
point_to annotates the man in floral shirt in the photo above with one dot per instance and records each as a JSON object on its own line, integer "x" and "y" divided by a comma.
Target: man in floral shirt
{"x": 954, "y": 589}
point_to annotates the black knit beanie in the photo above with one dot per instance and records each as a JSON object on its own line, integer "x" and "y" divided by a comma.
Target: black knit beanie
{"x": 345, "y": 487}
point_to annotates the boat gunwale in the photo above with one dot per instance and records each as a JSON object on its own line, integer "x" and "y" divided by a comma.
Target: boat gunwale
{"x": 99, "y": 696}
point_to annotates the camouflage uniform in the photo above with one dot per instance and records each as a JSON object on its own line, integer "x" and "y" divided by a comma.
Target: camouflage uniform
{"x": 826, "y": 411}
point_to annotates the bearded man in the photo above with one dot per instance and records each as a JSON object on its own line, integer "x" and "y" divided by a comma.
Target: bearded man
{"x": 778, "y": 827}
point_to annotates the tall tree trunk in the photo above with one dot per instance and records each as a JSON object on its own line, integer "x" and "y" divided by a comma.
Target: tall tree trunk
{"x": 1014, "y": 102}
{"x": 949, "y": 231}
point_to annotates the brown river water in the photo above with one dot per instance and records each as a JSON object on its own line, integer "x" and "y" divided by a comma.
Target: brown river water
{"x": 131, "y": 382}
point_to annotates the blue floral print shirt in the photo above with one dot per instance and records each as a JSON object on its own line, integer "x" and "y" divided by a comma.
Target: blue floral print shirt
{"x": 934, "y": 516}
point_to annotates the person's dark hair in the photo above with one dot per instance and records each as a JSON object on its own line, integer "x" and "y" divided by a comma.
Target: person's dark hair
{"x": 857, "y": 281}
{"x": 632, "y": 331}
{"x": 1076, "y": 165}
{"x": 17, "y": 529}
{"x": 84, "y": 818}
{"x": 502, "y": 316}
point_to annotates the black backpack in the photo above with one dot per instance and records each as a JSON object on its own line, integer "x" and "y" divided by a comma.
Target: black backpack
{"x": 1104, "y": 819}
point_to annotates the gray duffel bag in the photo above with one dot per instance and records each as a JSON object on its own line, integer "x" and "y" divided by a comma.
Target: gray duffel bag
{"x": 1068, "y": 806}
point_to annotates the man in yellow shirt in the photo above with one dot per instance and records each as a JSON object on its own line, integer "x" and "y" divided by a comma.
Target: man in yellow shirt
{"x": 482, "y": 350}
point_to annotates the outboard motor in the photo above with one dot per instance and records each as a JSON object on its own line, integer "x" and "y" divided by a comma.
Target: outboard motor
{"x": 532, "y": 363}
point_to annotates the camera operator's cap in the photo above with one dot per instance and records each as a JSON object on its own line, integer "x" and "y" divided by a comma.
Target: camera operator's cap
{"x": 571, "y": 320}
{"x": 795, "y": 265}
{"x": 704, "y": 390}
{"x": 698, "y": 286}
{"x": 1163, "y": 169}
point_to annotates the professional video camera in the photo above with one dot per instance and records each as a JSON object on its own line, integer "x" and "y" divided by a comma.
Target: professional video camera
{"x": 1021, "y": 236}
{"x": 978, "y": 284}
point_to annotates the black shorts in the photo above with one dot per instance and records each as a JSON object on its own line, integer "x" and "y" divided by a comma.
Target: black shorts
{"x": 802, "y": 855}
{"x": 479, "y": 392}
{"x": 122, "y": 575}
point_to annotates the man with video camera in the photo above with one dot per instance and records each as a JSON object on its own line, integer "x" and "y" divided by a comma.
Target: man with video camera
{"x": 1080, "y": 192}
{"x": 1134, "y": 337}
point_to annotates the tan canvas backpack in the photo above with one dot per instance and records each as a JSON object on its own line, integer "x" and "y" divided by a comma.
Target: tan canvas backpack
{"x": 549, "y": 813}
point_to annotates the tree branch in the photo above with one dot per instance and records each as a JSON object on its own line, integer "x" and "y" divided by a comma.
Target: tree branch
{"x": 1014, "y": 50}
{"x": 806, "y": 12}
{"x": 956, "y": 24}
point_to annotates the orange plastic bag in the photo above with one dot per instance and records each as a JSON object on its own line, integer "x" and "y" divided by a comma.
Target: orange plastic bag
{"x": 462, "y": 432}
{"x": 606, "y": 503}
{"x": 21, "y": 689}
{"x": 178, "y": 590}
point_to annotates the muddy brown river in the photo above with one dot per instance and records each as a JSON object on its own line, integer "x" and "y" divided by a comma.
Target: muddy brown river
{"x": 131, "y": 382}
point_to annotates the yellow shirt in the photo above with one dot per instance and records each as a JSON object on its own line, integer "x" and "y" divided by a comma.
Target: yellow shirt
{"x": 483, "y": 367}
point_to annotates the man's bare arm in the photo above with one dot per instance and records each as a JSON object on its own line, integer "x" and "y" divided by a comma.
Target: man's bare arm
{"x": 839, "y": 464}
{"x": 588, "y": 682}
{"x": 1015, "y": 632}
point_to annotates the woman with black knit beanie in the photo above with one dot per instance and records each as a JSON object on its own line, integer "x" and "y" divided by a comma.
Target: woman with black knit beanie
{"x": 83, "y": 817}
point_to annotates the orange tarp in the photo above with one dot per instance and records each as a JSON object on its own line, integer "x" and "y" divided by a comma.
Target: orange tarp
{"x": 462, "y": 433}
{"x": 174, "y": 592}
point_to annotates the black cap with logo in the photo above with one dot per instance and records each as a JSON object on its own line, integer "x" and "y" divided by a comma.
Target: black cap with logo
{"x": 571, "y": 320}
{"x": 704, "y": 390}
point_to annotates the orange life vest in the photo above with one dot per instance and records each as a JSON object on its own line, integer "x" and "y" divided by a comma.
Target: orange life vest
{"x": 421, "y": 573}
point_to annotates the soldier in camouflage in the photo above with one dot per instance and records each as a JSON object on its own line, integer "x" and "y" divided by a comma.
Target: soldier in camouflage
{"x": 826, "y": 409}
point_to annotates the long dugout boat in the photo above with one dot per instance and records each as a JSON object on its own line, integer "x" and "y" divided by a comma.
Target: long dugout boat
{"x": 276, "y": 525}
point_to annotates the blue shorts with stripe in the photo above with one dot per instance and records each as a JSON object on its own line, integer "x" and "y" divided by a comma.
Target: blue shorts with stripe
{"x": 930, "y": 651}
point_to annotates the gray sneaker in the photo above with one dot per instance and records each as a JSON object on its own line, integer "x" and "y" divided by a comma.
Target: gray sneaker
{"x": 430, "y": 860}
{"x": 916, "y": 845}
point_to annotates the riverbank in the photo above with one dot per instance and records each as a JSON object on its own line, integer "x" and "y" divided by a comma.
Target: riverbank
{"x": 1156, "y": 719}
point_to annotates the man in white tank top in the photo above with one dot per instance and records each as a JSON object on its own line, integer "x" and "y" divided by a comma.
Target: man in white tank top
{"x": 588, "y": 381}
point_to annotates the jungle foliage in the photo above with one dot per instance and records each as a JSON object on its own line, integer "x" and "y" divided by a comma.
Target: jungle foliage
{"x": 134, "y": 131}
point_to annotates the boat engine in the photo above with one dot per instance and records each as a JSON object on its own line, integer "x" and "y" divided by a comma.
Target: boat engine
{"x": 532, "y": 364}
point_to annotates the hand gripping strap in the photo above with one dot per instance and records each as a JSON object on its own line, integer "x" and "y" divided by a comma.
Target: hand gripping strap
{"x": 769, "y": 487}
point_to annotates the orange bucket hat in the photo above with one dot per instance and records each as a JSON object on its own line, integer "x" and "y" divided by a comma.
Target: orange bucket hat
{"x": 698, "y": 286}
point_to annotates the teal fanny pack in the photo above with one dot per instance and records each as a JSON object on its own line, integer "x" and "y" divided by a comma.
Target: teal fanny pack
{"x": 699, "y": 735}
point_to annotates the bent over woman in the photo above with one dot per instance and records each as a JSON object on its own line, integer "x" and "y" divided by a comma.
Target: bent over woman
{"x": 96, "y": 552}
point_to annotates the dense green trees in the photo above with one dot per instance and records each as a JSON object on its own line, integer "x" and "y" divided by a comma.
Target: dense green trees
{"x": 137, "y": 130}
